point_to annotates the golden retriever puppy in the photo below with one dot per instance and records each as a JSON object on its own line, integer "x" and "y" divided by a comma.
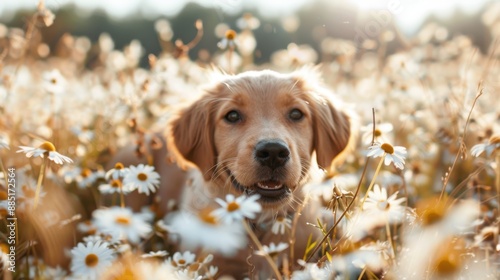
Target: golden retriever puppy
{"x": 259, "y": 132}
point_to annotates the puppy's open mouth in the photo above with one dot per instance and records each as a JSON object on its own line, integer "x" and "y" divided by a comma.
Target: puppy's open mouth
{"x": 270, "y": 191}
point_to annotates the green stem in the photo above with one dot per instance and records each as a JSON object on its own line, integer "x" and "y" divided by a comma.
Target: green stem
{"x": 39, "y": 182}
{"x": 373, "y": 180}
{"x": 257, "y": 243}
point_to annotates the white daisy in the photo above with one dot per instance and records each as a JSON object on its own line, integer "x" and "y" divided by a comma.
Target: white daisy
{"x": 324, "y": 189}
{"x": 381, "y": 133}
{"x": 46, "y": 149}
{"x": 273, "y": 249}
{"x": 130, "y": 267}
{"x": 86, "y": 178}
{"x": 55, "y": 273}
{"x": 187, "y": 274}
{"x": 122, "y": 223}
{"x": 86, "y": 227}
{"x": 143, "y": 178}
{"x": 180, "y": 260}
{"x": 281, "y": 224}
{"x": 351, "y": 265}
{"x": 90, "y": 260}
{"x": 388, "y": 207}
{"x": 69, "y": 173}
{"x": 225, "y": 239}
{"x": 94, "y": 238}
{"x": 489, "y": 147}
{"x": 211, "y": 272}
{"x": 228, "y": 41}
{"x": 311, "y": 271}
{"x": 236, "y": 209}
{"x": 395, "y": 154}
{"x": 53, "y": 81}
{"x": 114, "y": 186}
{"x": 157, "y": 254}
{"x": 118, "y": 172}
{"x": 362, "y": 224}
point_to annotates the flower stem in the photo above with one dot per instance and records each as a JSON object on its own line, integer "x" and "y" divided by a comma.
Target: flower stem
{"x": 3, "y": 170}
{"x": 39, "y": 182}
{"x": 389, "y": 239}
{"x": 295, "y": 222}
{"x": 122, "y": 198}
{"x": 257, "y": 243}
{"x": 230, "y": 60}
{"x": 497, "y": 179}
{"x": 373, "y": 180}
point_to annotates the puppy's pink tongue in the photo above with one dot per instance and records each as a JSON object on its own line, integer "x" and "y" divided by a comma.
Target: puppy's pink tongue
{"x": 269, "y": 185}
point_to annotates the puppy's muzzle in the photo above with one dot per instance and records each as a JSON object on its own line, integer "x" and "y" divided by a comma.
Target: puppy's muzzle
{"x": 272, "y": 153}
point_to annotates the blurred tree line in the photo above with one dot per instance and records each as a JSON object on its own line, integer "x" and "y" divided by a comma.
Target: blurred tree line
{"x": 316, "y": 23}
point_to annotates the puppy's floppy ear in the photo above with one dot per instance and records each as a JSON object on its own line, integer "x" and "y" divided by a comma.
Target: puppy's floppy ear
{"x": 190, "y": 136}
{"x": 332, "y": 131}
{"x": 331, "y": 124}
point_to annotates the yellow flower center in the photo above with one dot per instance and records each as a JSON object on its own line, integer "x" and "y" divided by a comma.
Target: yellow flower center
{"x": 383, "y": 205}
{"x": 91, "y": 260}
{"x": 85, "y": 172}
{"x": 377, "y": 133}
{"x": 48, "y": 146}
{"x": 116, "y": 184}
{"x": 233, "y": 206}
{"x": 181, "y": 262}
{"x": 280, "y": 219}
{"x": 126, "y": 274}
{"x": 248, "y": 16}
{"x": 119, "y": 166}
{"x": 447, "y": 267}
{"x": 388, "y": 148}
{"x": 53, "y": 81}
{"x": 122, "y": 220}
{"x": 432, "y": 217}
{"x": 142, "y": 176}
{"x": 206, "y": 216}
{"x": 431, "y": 211}
{"x": 230, "y": 34}
{"x": 448, "y": 261}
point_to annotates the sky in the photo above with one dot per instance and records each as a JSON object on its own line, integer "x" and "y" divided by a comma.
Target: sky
{"x": 409, "y": 16}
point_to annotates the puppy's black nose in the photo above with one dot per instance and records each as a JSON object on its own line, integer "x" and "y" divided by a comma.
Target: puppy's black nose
{"x": 272, "y": 153}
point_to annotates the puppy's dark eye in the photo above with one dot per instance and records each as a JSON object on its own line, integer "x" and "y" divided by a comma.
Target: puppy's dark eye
{"x": 295, "y": 115}
{"x": 233, "y": 116}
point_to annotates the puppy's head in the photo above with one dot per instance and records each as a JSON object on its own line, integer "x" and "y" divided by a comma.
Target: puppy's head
{"x": 256, "y": 133}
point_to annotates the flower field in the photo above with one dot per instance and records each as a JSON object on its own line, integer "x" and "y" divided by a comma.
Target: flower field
{"x": 417, "y": 196}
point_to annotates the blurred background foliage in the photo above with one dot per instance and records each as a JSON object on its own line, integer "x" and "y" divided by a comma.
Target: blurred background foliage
{"x": 315, "y": 22}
